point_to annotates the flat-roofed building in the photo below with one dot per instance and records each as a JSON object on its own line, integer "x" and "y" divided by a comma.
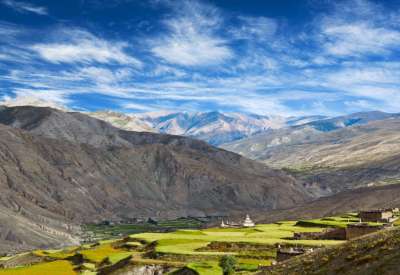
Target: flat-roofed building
{"x": 382, "y": 215}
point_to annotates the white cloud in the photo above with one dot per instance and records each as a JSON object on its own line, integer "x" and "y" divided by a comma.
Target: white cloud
{"x": 102, "y": 75}
{"x": 357, "y": 29}
{"x": 163, "y": 70}
{"x": 359, "y": 38}
{"x": 40, "y": 98}
{"x": 259, "y": 28}
{"x": 24, "y": 7}
{"x": 191, "y": 39}
{"x": 374, "y": 74}
{"x": 8, "y": 31}
{"x": 140, "y": 107}
{"x": 83, "y": 47}
{"x": 356, "y": 105}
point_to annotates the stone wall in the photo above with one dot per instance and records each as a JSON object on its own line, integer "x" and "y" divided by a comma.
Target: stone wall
{"x": 358, "y": 230}
{"x": 283, "y": 255}
{"x": 335, "y": 234}
{"x": 328, "y": 234}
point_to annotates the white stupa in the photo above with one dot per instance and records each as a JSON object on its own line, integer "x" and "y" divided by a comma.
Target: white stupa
{"x": 223, "y": 225}
{"x": 248, "y": 222}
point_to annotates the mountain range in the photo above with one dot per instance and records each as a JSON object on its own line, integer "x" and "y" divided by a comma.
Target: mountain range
{"x": 60, "y": 169}
{"x": 328, "y": 155}
{"x": 215, "y": 128}
{"x": 332, "y": 155}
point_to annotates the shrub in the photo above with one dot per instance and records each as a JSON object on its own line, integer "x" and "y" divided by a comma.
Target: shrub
{"x": 228, "y": 263}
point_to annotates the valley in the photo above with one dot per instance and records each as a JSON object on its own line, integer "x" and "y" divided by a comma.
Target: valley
{"x": 85, "y": 197}
{"x": 185, "y": 250}
{"x": 65, "y": 169}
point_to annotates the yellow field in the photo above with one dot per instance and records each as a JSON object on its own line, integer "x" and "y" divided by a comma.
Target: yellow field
{"x": 52, "y": 268}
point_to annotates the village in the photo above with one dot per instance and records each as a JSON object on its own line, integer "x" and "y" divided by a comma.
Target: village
{"x": 368, "y": 222}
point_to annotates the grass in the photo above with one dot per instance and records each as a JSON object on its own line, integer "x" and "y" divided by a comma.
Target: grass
{"x": 206, "y": 268}
{"x": 101, "y": 232}
{"x": 339, "y": 222}
{"x": 52, "y": 268}
{"x": 247, "y": 267}
{"x": 89, "y": 266}
{"x": 56, "y": 254}
{"x": 115, "y": 258}
{"x": 100, "y": 253}
{"x": 251, "y": 264}
{"x": 183, "y": 246}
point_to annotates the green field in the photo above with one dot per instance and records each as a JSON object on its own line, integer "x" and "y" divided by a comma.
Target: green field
{"x": 188, "y": 242}
{"x": 102, "y": 232}
{"x": 339, "y": 221}
{"x": 196, "y": 249}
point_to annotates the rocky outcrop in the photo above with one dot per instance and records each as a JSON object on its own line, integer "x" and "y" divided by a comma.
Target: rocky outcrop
{"x": 142, "y": 270}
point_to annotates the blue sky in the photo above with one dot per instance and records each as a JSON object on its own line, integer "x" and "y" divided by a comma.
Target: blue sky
{"x": 277, "y": 57}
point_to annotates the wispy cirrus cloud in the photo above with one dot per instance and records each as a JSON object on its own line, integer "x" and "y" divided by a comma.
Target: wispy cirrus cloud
{"x": 83, "y": 47}
{"x": 359, "y": 38}
{"x": 257, "y": 29}
{"x": 359, "y": 29}
{"x": 24, "y": 7}
{"x": 191, "y": 39}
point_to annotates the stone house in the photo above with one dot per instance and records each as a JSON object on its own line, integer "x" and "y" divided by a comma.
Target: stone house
{"x": 382, "y": 215}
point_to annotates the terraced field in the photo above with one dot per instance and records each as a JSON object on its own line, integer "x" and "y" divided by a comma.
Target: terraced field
{"x": 194, "y": 249}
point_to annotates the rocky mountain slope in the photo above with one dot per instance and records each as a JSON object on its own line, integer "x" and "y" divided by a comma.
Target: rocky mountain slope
{"x": 367, "y": 198}
{"x": 332, "y": 161}
{"x": 214, "y": 127}
{"x": 59, "y": 169}
{"x": 281, "y": 147}
{"x": 376, "y": 253}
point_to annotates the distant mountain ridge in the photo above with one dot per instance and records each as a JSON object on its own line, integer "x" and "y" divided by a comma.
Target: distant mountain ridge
{"x": 331, "y": 124}
{"x": 361, "y": 150}
{"x": 214, "y": 127}
{"x": 220, "y": 129}
{"x": 260, "y": 146}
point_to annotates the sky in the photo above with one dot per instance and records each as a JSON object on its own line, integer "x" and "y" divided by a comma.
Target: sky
{"x": 276, "y": 57}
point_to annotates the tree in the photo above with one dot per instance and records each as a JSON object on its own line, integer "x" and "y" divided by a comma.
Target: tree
{"x": 228, "y": 263}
